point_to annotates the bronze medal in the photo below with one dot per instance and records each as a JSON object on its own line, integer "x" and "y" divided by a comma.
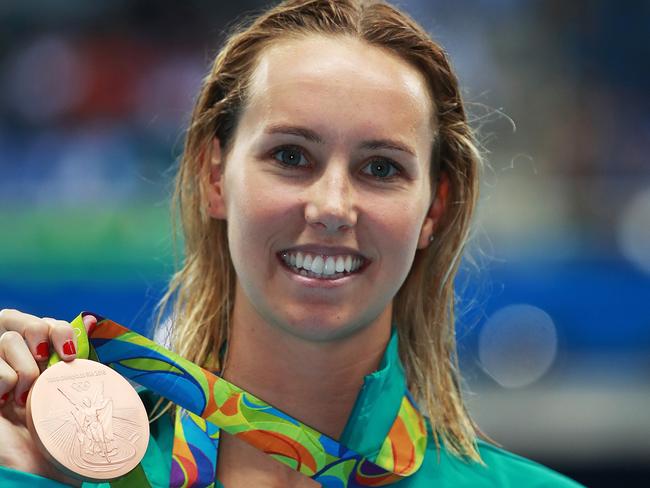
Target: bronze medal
{"x": 87, "y": 420}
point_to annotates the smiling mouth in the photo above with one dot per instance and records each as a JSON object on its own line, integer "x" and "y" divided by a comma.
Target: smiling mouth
{"x": 321, "y": 266}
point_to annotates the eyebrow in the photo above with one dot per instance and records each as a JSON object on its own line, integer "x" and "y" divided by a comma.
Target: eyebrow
{"x": 313, "y": 136}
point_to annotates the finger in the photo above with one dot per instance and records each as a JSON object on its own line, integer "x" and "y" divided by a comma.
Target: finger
{"x": 11, "y": 319}
{"x": 63, "y": 338}
{"x": 90, "y": 321}
{"x": 37, "y": 337}
{"x": 34, "y": 329}
{"x": 8, "y": 379}
{"x": 14, "y": 350}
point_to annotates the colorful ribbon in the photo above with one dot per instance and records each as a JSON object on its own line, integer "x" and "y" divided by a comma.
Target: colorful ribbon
{"x": 213, "y": 399}
{"x": 194, "y": 456}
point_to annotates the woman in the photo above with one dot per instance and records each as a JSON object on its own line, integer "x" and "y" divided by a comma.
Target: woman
{"x": 326, "y": 189}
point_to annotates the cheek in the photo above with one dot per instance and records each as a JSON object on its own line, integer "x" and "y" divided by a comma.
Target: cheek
{"x": 396, "y": 228}
{"x": 397, "y": 222}
{"x": 257, "y": 213}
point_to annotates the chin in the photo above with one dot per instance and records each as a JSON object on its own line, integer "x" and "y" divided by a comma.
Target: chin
{"x": 315, "y": 329}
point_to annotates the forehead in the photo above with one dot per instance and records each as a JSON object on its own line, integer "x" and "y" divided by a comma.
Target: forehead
{"x": 343, "y": 81}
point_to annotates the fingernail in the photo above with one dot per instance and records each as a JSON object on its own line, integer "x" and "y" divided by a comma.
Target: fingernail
{"x": 23, "y": 397}
{"x": 4, "y": 397}
{"x": 68, "y": 348}
{"x": 43, "y": 350}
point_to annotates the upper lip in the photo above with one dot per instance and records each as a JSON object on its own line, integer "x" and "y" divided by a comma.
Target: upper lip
{"x": 323, "y": 249}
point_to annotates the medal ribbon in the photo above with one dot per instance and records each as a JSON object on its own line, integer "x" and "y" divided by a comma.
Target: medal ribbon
{"x": 208, "y": 397}
{"x": 194, "y": 457}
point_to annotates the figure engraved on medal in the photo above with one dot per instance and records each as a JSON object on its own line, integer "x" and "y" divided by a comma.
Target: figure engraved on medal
{"x": 89, "y": 420}
{"x": 95, "y": 436}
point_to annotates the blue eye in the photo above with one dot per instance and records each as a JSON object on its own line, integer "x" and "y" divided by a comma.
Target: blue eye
{"x": 382, "y": 169}
{"x": 288, "y": 156}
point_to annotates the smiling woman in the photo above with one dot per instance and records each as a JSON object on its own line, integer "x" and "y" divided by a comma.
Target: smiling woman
{"x": 325, "y": 193}
{"x": 326, "y": 202}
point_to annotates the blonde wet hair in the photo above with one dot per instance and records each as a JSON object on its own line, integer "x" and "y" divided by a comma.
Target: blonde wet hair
{"x": 201, "y": 293}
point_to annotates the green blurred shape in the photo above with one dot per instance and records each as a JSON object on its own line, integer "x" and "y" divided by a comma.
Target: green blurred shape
{"x": 119, "y": 243}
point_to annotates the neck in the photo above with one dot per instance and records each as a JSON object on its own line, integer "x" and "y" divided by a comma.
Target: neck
{"x": 315, "y": 382}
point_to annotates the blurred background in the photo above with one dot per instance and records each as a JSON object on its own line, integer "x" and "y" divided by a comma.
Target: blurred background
{"x": 554, "y": 331}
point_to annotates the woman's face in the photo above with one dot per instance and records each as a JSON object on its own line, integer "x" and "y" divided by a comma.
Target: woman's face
{"x": 326, "y": 188}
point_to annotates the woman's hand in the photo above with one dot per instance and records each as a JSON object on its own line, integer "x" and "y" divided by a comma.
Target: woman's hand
{"x": 26, "y": 342}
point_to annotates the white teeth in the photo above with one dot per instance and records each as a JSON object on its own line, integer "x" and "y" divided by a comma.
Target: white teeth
{"x": 340, "y": 264}
{"x": 330, "y": 266}
{"x": 321, "y": 265}
{"x": 317, "y": 265}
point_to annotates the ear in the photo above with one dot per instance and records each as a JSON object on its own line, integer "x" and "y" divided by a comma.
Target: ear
{"x": 215, "y": 194}
{"x": 436, "y": 212}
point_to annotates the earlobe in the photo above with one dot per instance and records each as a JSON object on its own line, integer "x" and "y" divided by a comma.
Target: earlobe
{"x": 215, "y": 195}
{"x": 436, "y": 212}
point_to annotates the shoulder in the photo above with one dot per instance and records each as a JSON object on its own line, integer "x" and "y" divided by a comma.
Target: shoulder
{"x": 502, "y": 469}
{"x": 518, "y": 470}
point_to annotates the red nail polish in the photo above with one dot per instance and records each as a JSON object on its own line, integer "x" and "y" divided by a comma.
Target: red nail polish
{"x": 43, "y": 350}
{"x": 68, "y": 348}
{"x": 4, "y": 397}
{"x": 23, "y": 397}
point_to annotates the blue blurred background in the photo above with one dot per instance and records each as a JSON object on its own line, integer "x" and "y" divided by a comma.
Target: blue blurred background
{"x": 554, "y": 332}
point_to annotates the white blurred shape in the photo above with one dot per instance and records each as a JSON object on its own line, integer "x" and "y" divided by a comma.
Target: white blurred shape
{"x": 633, "y": 231}
{"x": 95, "y": 166}
{"x": 45, "y": 80}
{"x": 526, "y": 216}
{"x": 517, "y": 345}
{"x": 163, "y": 333}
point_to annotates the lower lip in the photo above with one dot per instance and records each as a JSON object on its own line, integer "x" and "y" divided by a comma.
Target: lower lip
{"x": 319, "y": 282}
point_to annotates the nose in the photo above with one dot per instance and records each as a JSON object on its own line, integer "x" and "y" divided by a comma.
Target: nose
{"x": 330, "y": 204}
